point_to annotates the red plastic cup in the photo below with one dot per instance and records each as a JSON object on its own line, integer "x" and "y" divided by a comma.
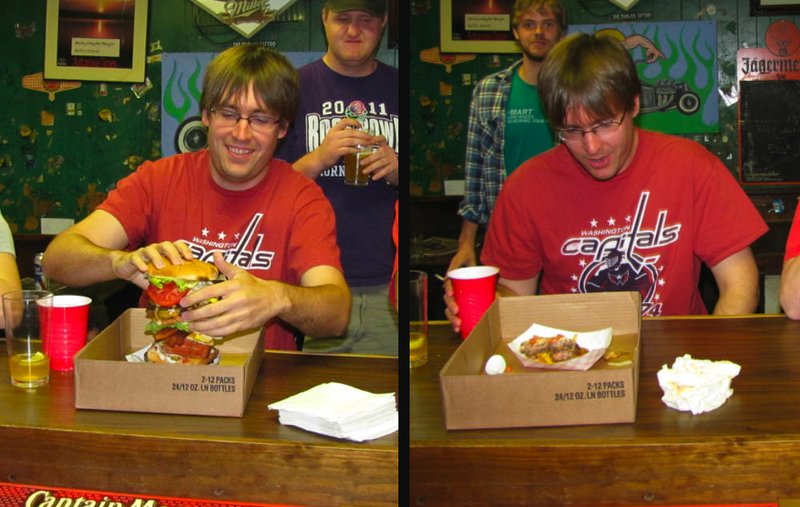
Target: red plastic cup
{"x": 64, "y": 328}
{"x": 474, "y": 288}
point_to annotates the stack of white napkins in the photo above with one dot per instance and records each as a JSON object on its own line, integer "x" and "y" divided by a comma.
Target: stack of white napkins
{"x": 340, "y": 411}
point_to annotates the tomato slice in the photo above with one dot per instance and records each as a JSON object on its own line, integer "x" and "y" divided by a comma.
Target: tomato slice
{"x": 168, "y": 295}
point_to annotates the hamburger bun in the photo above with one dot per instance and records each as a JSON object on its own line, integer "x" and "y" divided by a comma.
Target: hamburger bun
{"x": 190, "y": 270}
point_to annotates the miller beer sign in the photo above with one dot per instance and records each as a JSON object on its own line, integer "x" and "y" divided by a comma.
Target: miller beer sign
{"x": 245, "y": 16}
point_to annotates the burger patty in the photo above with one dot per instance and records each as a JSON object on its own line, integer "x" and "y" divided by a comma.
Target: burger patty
{"x": 189, "y": 348}
{"x": 552, "y": 349}
{"x": 175, "y": 341}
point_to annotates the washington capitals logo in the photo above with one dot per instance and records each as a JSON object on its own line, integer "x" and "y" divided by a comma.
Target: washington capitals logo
{"x": 619, "y": 260}
{"x": 244, "y": 249}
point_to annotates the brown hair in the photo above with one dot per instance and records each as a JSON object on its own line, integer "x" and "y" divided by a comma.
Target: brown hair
{"x": 273, "y": 77}
{"x": 522, "y": 6}
{"x": 594, "y": 73}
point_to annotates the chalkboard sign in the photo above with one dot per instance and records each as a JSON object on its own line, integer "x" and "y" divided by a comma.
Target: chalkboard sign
{"x": 769, "y": 131}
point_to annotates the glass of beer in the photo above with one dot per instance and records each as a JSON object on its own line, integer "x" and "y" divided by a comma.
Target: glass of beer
{"x": 25, "y": 313}
{"x": 418, "y": 318}
{"x": 352, "y": 164}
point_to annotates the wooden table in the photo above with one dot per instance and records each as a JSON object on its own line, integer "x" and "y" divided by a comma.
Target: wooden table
{"x": 748, "y": 450}
{"x": 44, "y": 440}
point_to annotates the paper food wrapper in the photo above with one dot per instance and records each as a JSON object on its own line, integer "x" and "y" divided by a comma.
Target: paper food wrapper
{"x": 596, "y": 342}
{"x": 697, "y": 385}
{"x": 140, "y": 356}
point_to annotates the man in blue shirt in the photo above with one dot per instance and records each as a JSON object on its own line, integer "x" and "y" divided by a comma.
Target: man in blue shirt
{"x": 348, "y": 87}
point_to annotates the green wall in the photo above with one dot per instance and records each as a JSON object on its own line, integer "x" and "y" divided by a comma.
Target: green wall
{"x": 439, "y": 98}
{"x": 66, "y": 169}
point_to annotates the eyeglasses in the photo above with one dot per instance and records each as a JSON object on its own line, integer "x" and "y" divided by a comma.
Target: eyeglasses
{"x": 230, "y": 118}
{"x": 600, "y": 129}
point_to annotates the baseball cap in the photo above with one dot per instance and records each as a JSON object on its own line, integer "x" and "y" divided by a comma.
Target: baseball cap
{"x": 375, "y": 7}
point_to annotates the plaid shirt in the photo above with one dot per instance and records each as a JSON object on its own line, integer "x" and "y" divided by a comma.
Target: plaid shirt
{"x": 484, "y": 167}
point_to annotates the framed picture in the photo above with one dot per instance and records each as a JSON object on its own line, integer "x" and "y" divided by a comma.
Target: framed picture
{"x": 472, "y": 26}
{"x": 96, "y": 41}
{"x": 774, "y": 7}
{"x": 394, "y": 24}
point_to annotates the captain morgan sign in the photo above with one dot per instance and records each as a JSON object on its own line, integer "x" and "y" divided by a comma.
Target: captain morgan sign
{"x": 20, "y": 495}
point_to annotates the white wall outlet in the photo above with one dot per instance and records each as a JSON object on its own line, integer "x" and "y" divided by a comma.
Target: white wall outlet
{"x": 453, "y": 187}
{"x": 55, "y": 225}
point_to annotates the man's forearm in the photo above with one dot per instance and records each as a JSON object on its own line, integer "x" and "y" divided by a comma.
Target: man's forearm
{"x": 468, "y": 234}
{"x": 737, "y": 279}
{"x": 323, "y": 310}
{"x": 310, "y": 165}
{"x": 790, "y": 288}
{"x": 740, "y": 301}
{"x": 75, "y": 261}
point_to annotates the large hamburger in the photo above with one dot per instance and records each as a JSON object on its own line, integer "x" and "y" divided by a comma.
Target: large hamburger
{"x": 174, "y": 342}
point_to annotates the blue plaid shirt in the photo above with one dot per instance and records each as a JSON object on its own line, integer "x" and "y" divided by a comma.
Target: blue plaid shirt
{"x": 484, "y": 167}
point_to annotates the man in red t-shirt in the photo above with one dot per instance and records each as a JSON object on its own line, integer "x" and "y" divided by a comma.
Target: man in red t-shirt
{"x": 269, "y": 230}
{"x": 617, "y": 208}
{"x": 790, "y": 276}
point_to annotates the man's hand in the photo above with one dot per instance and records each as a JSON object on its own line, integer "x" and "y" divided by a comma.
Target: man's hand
{"x": 320, "y": 306}
{"x": 451, "y": 312}
{"x": 382, "y": 163}
{"x": 340, "y": 140}
{"x": 464, "y": 256}
{"x": 131, "y": 266}
{"x": 241, "y": 302}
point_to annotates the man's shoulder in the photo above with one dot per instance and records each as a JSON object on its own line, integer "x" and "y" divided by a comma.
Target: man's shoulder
{"x": 289, "y": 180}
{"x": 663, "y": 139}
{"x": 286, "y": 172}
{"x": 495, "y": 85}
{"x": 543, "y": 173}
{"x": 319, "y": 68}
{"x": 172, "y": 163}
{"x": 385, "y": 68}
{"x": 501, "y": 76}
{"x": 312, "y": 67}
{"x": 675, "y": 146}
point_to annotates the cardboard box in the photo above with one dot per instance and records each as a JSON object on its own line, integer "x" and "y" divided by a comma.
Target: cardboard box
{"x": 536, "y": 397}
{"x": 105, "y": 380}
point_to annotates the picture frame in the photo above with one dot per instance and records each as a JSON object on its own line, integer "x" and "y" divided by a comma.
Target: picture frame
{"x": 394, "y": 24}
{"x": 774, "y": 7}
{"x": 89, "y": 45}
{"x": 482, "y": 29}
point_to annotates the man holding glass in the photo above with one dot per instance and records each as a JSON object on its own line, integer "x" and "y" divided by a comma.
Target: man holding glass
{"x": 346, "y": 89}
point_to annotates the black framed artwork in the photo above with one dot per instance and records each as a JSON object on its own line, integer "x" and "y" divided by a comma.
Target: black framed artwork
{"x": 773, "y": 7}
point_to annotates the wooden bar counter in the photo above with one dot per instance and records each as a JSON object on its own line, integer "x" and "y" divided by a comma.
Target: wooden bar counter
{"x": 45, "y": 441}
{"x": 748, "y": 450}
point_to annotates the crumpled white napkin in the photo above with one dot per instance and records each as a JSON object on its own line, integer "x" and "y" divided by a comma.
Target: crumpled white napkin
{"x": 697, "y": 385}
{"x": 340, "y": 411}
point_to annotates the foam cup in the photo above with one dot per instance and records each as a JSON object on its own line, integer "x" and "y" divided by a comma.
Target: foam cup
{"x": 474, "y": 289}
{"x": 65, "y": 329}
